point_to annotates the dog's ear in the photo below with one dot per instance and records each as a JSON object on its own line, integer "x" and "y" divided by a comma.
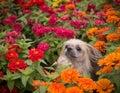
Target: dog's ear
{"x": 93, "y": 53}
{"x": 62, "y": 59}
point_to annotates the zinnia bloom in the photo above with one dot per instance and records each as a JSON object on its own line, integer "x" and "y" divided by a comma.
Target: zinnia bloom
{"x": 70, "y": 6}
{"x": 100, "y": 45}
{"x": 113, "y": 37}
{"x": 11, "y": 55}
{"x": 112, "y": 60}
{"x": 63, "y": 32}
{"x": 86, "y": 84}
{"x": 14, "y": 47}
{"x": 56, "y": 88}
{"x": 70, "y": 75}
{"x": 98, "y": 22}
{"x": 53, "y": 20}
{"x": 17, "y": 27}
{"x": 35, "y": 54}
{"x": 73, "y": 89}
{"x": 15, "y": 65}
{"x": 43, "y": 46}
{"x": 104, "y": 86}
{"x": 1, "y": 74}
{"x": 92, "y": 31}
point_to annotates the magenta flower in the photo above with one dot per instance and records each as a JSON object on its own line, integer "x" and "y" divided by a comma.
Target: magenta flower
{"x": 98, "y": 22}
{"x": 117, "y": 2}
{"x": 101, "y": 15}
{"x": 17, "y": 27}
{"x": 1, "y": 74}
{"x": 27, "y": 11}
{"x": 12, "y": 17}
{"x": 91, "y": 7}
{"x": 79, "y": 24}
{"x": 11, "y": 37}
{"x": 7, "y": 21}
{"x": 43, "y": 46}
{"x": 53, "y": 20}
{"x": 63, "y": 33}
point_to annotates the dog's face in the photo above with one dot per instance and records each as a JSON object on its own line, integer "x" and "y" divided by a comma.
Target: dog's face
{"x": 74, "y": 49}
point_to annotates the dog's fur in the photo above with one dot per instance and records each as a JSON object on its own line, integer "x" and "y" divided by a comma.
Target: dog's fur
{"x": 82, "y": 55}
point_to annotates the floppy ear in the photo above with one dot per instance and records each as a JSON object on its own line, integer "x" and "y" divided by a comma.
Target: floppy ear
{"x": 93, "y": 54}
{"x": 62, "y": 59}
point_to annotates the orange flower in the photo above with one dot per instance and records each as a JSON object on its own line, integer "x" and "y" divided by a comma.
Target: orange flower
{"x": 37, "y": 83}
{"x": 92, "y": 31}
{"x": 105, "y": 69}
{"x": 70, "y": 75}
{"x": 107, "y": 6}
{"x": 112, "y": 13}
{"x": 118, "y": 30}
{"x": 100, "y": 45}
{"x": 56, "y": 88}
{"x": 112, "y": 60}
{"x": 112, "y": 19}
{"x": 102, "y": 30}
{"x": 86, "y": 84}
{"x": 113, "y": 37}
{"x": 104, "y": 86}
{"x": 70, "y": 6}
{"x": 118, "y": 49}
{"x": 73, "y": 89}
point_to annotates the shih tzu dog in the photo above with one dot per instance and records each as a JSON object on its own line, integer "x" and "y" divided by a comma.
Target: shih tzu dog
{"x": 82, "y": 55}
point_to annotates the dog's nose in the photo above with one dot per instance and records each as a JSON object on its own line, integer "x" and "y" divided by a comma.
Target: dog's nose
{"x": 69, "y": 49}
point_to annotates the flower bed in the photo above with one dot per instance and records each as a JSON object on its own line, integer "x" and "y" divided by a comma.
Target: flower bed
{"x": 32, "y": 33}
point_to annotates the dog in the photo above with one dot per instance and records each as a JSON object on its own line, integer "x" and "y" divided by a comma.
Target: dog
{"x": 81, "y": 55}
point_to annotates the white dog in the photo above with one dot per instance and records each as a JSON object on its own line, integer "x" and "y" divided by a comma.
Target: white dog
{"x": 82, "y": 55}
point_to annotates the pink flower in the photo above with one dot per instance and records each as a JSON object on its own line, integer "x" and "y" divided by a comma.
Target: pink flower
{"x": 12, "y": 17}
{"x": 101, "y": 15}
{"x": 63, "y": 33}
{"x": 43, "y": 46}
{"x": 79, "y": 24}
{"x": 7, "y": 21}
{"x": 11, "y": 37}
{"x": 27, "y": 11}
{"x": 17, "y": 27}
{"x": 53, "y": 20}
{"x": 91, "y": 7}
{"x": 98, "y": 22}
{"x": 117, "y": 2}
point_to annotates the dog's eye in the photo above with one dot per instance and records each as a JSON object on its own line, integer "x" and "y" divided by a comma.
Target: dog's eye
{"x": 78, "y": 48}
{"x": 66, "y": 46}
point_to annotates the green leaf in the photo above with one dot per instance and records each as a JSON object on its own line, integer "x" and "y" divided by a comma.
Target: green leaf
{"x": 10, "y": 84}
{"x": 27, "y": 71}
{"x": 24, "y": 80}
{"x": 15, "y": 76}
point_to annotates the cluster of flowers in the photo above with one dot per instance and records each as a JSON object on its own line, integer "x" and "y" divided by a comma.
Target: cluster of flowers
{"x": 77, "y": 83}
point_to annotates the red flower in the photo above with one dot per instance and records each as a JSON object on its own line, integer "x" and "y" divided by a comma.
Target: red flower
{"x": 15, "y": 65}
{"x": 1, "y": 74}
{"x": 35, "y": 54}
{"x": 43, "y": 46}
{"x": 14, "y": 48}
{"x": 11, "y": 55}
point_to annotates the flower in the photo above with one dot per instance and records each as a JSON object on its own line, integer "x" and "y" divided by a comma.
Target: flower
{"x": 91, "y": 32}
{"x": 70, "y": 75}
{"x": 15, "y": 65}
{"x": 56, "y": 88}
{"x": 86, "y": 84}
{"x": 1, "y": 74}
{"x": 98, "y": 22}
{"x": 113, "y": 60}
{"x": 14, "y": 47}
{"x": 117, "y": 2}
{"x": 73, "y": 89}
{"x": 70, "y": 6}
{"x": 63, "y": 32}
{"x": 53, "y": 20}
{"x": 37, "y": 83}
{"x": 113, "y": 37}
{"x": 100, "y": 45}
{"x": 17, "y": 27}
{"x": 104, "y": 86}
{"x": 43, "y": 46}
{"x": 11, "y": 55}
{"x": 35, "y": 54}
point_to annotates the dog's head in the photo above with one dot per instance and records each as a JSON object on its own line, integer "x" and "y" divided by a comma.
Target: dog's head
{"x": 82, "y": 55}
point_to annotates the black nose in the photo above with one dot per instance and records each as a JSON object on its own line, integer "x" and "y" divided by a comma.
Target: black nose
{"x": 69, "y": 49}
